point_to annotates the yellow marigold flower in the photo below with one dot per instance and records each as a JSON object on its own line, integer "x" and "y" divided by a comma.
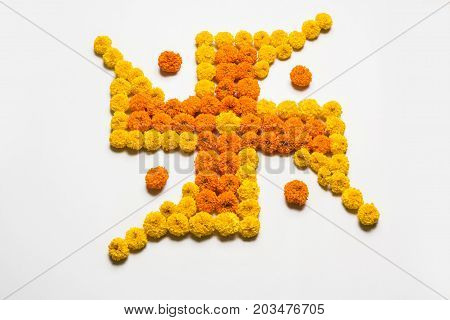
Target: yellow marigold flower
{"x": 248, "y": 208}
{"x": 260, "y": 38}
{"x": 311, "y": 29}
{"x": 338, "y": 143}
{"x": 339, "y": 162}
{"x": 119, "y": 85}
{"x": 178, "y": 224}
{"x": 243, "y": 38}
{"x": 152, "y": 140}
{"x": 155, "y": 225}
{"x": 204, "y": 38}
{"x": 287, "y": 109}
{"x": 167, "y": 208}
{"x": 297, "y": 40}
{"x": 310, "y": 107}
{"x": 206, "y": 71}
{"x": 134, "y": 73}
{"x": 261, "y": 69}
{"x": 204, "y": 87}
{"x": 157, "y": 93}
{"x": 324, "y": 21}
{"x": 136, "y": 239}
{"x": 318, "y": 160}
{"x": 335, "y": 125}
{"x": 223, "y": 38}
{"x": 268, "y": 53}
{"x": 111, "y": 56}
{"x": 249, "y": 156}
{"x": 249, "y": 227}
{"x": 187, "y": 206}
{"x": 118, "y": 138}
{"x": 119, "y": 102}
{"x": 368, "y": 214}
{"x": 227, "y": 122}
{"x": 123, "y": 68}
{"x": 135, "y": 140}
{"x": 323, "y": 176}
{"x": 331, "y": 108}
{"x": 118, "y": 249}
{"x": 248, "y": 190}
{"x": 140, "y": 85}
{"x": 264, "y": 107}
{"x": 101, "y": 44}
{"x": 301, "y": 158}
{"x": 339, "y": 182}
{"x": 188, "y": 141}
{"x": 202, "y": 224}
{"x": 246, "y": 171}
{"x": 119, "y": 120}
{"x": 205, "y": 53}
{"x": 190, "y": 189}
{"x": 352, "y": 198}
{"x": 284, "y": 51}
{"x": 278, "y": 38}
{"x": 169, "y": 140}
{"x": 226, "y": 224}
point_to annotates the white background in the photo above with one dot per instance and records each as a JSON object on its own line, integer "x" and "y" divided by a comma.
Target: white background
{"x": 61, "y": 186}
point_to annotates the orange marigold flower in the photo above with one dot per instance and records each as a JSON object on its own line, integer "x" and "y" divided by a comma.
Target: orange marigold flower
{"x": 224, "y": 88}
{"x": 271, "y": 122}
{"x": 293, "y": 125}
{"x": 206, "y": 200}
{"x": 228, "y": 182}
{"x": 206, "y": 161}
{"x": 268, "y": 142}
{"x": 247, "y": 54}
{"x": 285, "y": 143}
{"x": 229, "y": 141}
{"x": 228, "y": 163}
{"x": 169, "y": 61}
{"x": 155, "y": 105}
{"x": 245, "y": 70}
{"x": 227, "y": 202}
{"x": 209, "y": 104}
{"x": 250, "y": 122}
{"x": 139, "y": 120}
{"x": 162, "y": 122}
{"x": 296, "y": 192}
{"x": 250, "y": 140}
{"x": 248, "y": 87}
{"x": 301, "y": 139}
{"x": 139, "y": 102}
{"x": 227, "y": 54}
{"x": 315, "y": 127}
{"x": 172, "y": 107}
{"x": 230, "y": 103}
{"x": 247, "y": 104}
{"x": 191, "y": 105}
{"x": 226, "y": 70}
{"x": 183, "y": 122}
{"x": 320, "y": 143}
{"x": 207, "y": 180}
{"x": 301, "y": 76}
{"x": 205, "y": 122}
{"x": 156, "y": 178}
{"x": 207, "y": 141}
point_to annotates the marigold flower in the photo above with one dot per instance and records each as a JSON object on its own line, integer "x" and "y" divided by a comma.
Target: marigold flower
{"x": 301, "y": 76}
{"x": 139, "y": 120}
{"x": 248, "y": 87}
{"x": 123, "y": 68}
{"x": 249, "y": 227}
{"x": 247, "y": 105}
{"x": 320, "y": 143}
{"x": 301, "y": 158}
{"x": 229, "y": 142}
{"x": 169, "y": 61}
{"x": 134, "y": 73}
{"x": 309, "y": 107}
{"x": 248, "y": 156}
{"x": 227, "y": 122}
{"x": 206, "y": 161}
{"x": 293, "y": 125}
{"x": 247, "y": 54}
{"x": 331, "y": 108}
{"x": 139, "y": 102}
{"x": 318, "y": 160}
{"x": 206, "y": 201}
{"x": 339, "y": 182}
{"x": 156, "y": 178}
{"x": 207, "y": 180}
{"x": 250, "y": 122}
{"x": 118, "y": 249}
{"x": 335, "y": 125}
{"x": 268, "y": 142}
{"x": 136, "y": 239}
{"x": 323, "y": 177}
{"x": 315, "y": 127}
{"x": 297, "y": 40}
{"x": 119, "y": 102}
{"x": 111, "y": 57}
{"x": 206, "y": 71}
{"x": 202, "y": 224}
{"x": 224, "y": 88}
{"x": 339, "y": 162}
{"x": 191, "y": 105}
{"x": 228, "y": 162}
{"x": 155, "y": 225}
{"x": 324, "y": 21}
{"x": 170, "y": 140}
{"x": 205, "y": 122}
{"x": 118, "y": 138}
{"x": 352, "y": 198}
{"x": 248, "y": 190}
{"x": 278, "y": 38}
{"x": 183, "y": 122}
{"x": 207, "y": 141}
{"x": 187, "y": 206}
{"x": 296, "y": 192}
{"x": 226, "y": 54}
{"x": 152, "y": 140}
{"x": 172, "y": 107}
{"x": 260, "y": 38}
{"x": 248, "y": 208}
{"x": 230, "y": 103}
{"x": 227, "y": 202}
{"x": 205, "y": 53}
{"x": 338, "y": 143}
{"x": 264, "y": 107}
{"x": 287, "y": 109}
{"x": 261, "y": 69}
{"x": 226, "y": 71}
{"x": 162, "y": 122}
{"x": 271, "y": 122}
{"x": 285, "y": 143}
{"x": 178, "y": 224}
{"x": 157, "y": 93}
{"x": 311, "y": 29}
{"x": 368, "y": 214}
{"x": 190, "y": 189}
{"x": 119, "y": 85}
{"x": 245, "y": 70}
{"x": 210, "y": 104}
{"x": 243, "y": 39}
{"x": 228, "y": 182}
{"x": 204, "y": 37}
{"x": 102, "y": 44}
{"x": 284, "y": 51}
{"x": 250, "y": 140}
{"x": 223, "y": 38}
{"x": 267, "y": 52}
{"x": 246, "y": 171}
{"x": 167, "y": 208}
{"x": 141, "y": 85}
{"x": 188, "y": 141}
{"x": 135, "y": 140}
{"x": 226, "y": 224}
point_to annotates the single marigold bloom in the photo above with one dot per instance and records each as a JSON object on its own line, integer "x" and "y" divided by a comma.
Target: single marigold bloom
{"x": 296, "y": 192}
{"x": 204, "y": 37}
{"x": 246, "y": 171}
{"x": 152, "y": 140}
{"x": 119, "y": 121}
{"x": 206, "y": 161}
{"x": 310, "y": 107}
{"x": 248, "y": 190}
{"x": 247, "y": 54}
{"x": 101, "y": 44}
{"x": 248, "y": 208}
{"x": 134, "y": 73}
{"x": 155, "y": 225}
{"x": 205, "y": 53}
{"x": 202, "y": 224}
{"x": 170, "y": 140}
{"x": 172, "y": 107}
{"x": 339, "y": 182}
{"x": 111, "y": 57}
{"x": 228, "y": 162}
{"x": 207, "y": 180}
{"x": 190, "y": 189}
{"x": 271, "y": 122}
{"x": 206, "y": 201}
{"x": 315, "y": 127}
{"x": 339, "y": 162}
{"x": 264, "y": 107}
{"x": 227, "y": 122}
{"x": 301, "y": 158}
{"x": 368, "y": 214}
{"x": 207, "y": 141}
{"x": 245, "y": 70}
{"x": 227, "y": 202}
{"x": 187, "y": 206}
{"x": 227, "y": 54}
{"x": 284, "y": 51}
{"x": 301, "y": 139}
{"x": 338, "y": 143}
{"x": 224, "y": 88}
{"x": 178, "y": 224}
{"x": 123, "y": 68}
{"x": 188, "y": 141}
{"x": 226, "y": 71}
{"x": 228, "y": 182}
{"x": 287, "y": 109}
{"x": 293, "y": 124}
{"x": 249, "y": 227}
{"x": 247, "y": 104}
{"x": 331, "y": 108}
{"x": 118, "y": 249}
{"x": 229, "y": 142}
{"x": 278, "y": 38}
{"x": 119, "y": 85}
{"x": 311, "y": 29}
{"x": 136, "y": 239}
{"x": 206, "y": 71}
{"x": 183, "y": 122}
{"x": 323, "y": 177}
{"x": 250, "y": 122}
{"x": 324, "y": 21}
{"x": 119, "y": 102}
{"x": 139, "y": 120}
{"x": 285, "y": 143}
{"x": 261, "y": 69}
{"x": 318, "y": 160}
{"x": 226, "y": 224}
{"x": 204, "y": 88}
{"x": 248, "y": 156}
{"x": 269, "y": 142}
{"x": 139, "y": 102}
{"x": 352, "y": 199}
{"x": 250, "y": 140}
{"x": 260, "y": 38}
{"x": 167, "y": 208}
{"x": 320, "y": 143}
{"x": 162, "y": 122}
{"x": 156, "y": 178}
{"x": 230, "y": 103}
{"x": 210, "y": 104}
{"x": 335, "y": 125}
{"x": 141, "y": 85}
{"x": 205, "y": 122}
{"x": 267, "y": 53}
{"x": 296, "y": 40}
{"x": 118, "y": 138}
{"x": 191, "y": 105}
{"x": 135, "y": 140}
{"x": 301, "y": 76}
{"x": 223, "y": 38}
{"x": 169, "y": 61}
{"x": 243, "y": 39}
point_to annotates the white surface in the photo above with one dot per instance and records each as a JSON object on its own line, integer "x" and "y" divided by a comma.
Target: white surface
{"x": 61, "y": 185}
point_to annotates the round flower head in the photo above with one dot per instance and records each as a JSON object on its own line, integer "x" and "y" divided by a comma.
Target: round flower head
{"x": 248, "y": 156}
{"x": 206, "y": 71}
{"x": 226, "y": 54}
{"x": 102, "y": 44}
{"x": 269, "y": 142}
{"x": 207, "y": 180}
{"x": 296, "y": 40}
{"x": 170, "y": 140}
{"x": 226, "y": 71}
{"x": 191, "y": 105}
{"x": 140, "y": 102}
{"x": 311, "y": 29}
{"x": 169, "y": 61}
{"x": 118, "y": 249}
{"x": 335, "y": 125}
{"x": 229, "y": 142}
{"x": 247, "y": 54}
{"x": 352, "y": 198}
{"x": 284, "y": 51}
{"x": 111, "y": 57}
{"x": 324, "y": 21}
{"x": 162, "y": 122}
{"x": 123, "y": 68}
{"x": 301, "y": 76}
{"x": 206, "y": 201}
{"x": 136, "y": 239}
{"x": 287, "y": 109}
{"x": 167, "y": 208}
{"x": 190, "y": 189}
{"x": 204, "y": 87}
{"x": 248, "y": 190}
{"x": 206, "y": 161}
{"x": 119, "y": 85}
{"x": 227, "y": 202}
{"x": 228, "y": 162}
{"x": 206, "y": 140}
{"x": 157, "y": 93}
{"x": 155, "y": 225}
{"x": 246, "y": 171}
{"x": 202, "y": 224}
{"x": 119, "y": 121}
{"x": 227, "y": 122}
{"x": 264, "y": 107}
{"x": 228, "y": 182}
{"x": 187, "y": 206}
{"x": 278, "y": 38}
{"x": 139, "y": 120}
{"x": 260, "y": 38}
{"x": 318, "y": 160}
{"x": 209, "y": 104}
{"x": 188, "y": 142}
{"x": 247, "y": 104}
{"x": 271, "y": 122}
{"x": 245, "y": 70}
{"x": 134, "y": 73}
{"x": 368, "y": 214}
{"x": 172, "y": 107}
{"x": 250, "y": 140}
{"x": 141, "y": 85}
{"x": 296, "y": 192}
{"x": 331, "y": 108}
{"x": 261, "y": 69}
{"x": 118, "y": 138}
{"x": 285, "y": 143}
{"x": 135, "y": 140}
{"x": 250, "y": 122}
{"x": 152, "y": 140}
{"x": 339, "y": 182}
{"x": 243, "y": 38}
{"x": 315, "y": 127}
{"x": 338, "y": 143}
{"x": 226, "y": 224}
{"x": 301, "y": 158}
{"x": 320, "y": 143}
{"x": 224, "y": 88}
{"x": 119, "y": 102}
{"x": 183, "y": 122}
{"x": 249, "y": 227}
{"x": 339, "y": 162}
{"x": 178, "y": 224}
{"x": 204, "y": 37}
{"x": 248, "y": 208}
{"x": 323, "y": 177}
{"x": 309, "y": 107}
{"x": 223, "y": 38}
{"x": 156, "y": 178}
{"x": 267, "y": 52}
{"x": 205, "y": 53}
{"x": 248, "y": 87}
